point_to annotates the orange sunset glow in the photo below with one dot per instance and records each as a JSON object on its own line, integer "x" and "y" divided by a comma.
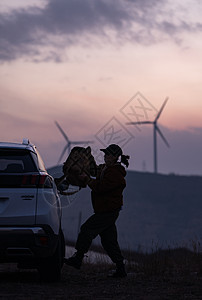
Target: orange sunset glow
{"x": 79, "y": 62}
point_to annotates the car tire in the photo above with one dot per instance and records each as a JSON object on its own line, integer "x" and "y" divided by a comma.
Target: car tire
{"x": 62, "y": 247}
{"x": 50, "y": 268}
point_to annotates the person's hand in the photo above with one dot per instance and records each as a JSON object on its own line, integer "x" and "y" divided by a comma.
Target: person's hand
{"x": 84, "y": 178}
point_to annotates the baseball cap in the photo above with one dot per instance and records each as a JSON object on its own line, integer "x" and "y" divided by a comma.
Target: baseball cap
{"x": 113, "y": 149}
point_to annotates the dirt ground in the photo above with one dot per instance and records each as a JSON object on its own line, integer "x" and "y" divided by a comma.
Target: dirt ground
{"x": 92, "y": 282}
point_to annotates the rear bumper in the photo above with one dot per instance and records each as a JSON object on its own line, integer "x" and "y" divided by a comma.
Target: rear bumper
{"x": 27, "y": 242}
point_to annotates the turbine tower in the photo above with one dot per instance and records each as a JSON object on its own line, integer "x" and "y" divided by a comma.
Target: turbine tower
{"x": 155, "y": 129}
{"x": 69, "y": 143}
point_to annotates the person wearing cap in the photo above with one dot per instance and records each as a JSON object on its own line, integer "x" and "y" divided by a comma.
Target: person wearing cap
{"x": 107, "y": 200}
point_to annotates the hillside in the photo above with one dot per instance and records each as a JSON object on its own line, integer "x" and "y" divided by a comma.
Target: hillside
{"x": 159, "y": 211}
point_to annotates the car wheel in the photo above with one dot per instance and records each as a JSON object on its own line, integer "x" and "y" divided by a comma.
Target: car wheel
{"x": 62, "y": 248}
{"x": 50, "y": 268}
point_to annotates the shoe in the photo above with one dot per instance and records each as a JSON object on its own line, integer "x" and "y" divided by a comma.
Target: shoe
{"x": 120, "y": 271}
{"x": 74, "y": 261}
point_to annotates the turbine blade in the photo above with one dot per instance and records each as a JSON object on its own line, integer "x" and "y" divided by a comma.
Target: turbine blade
{"x": 63, "y": 152}
{"x": 81, "y": 142}
{"x": 62, "y": 131}
{"x": 161, "y": 109}
{"x": 162, "y": 136}
{"x": 139, "y": 123}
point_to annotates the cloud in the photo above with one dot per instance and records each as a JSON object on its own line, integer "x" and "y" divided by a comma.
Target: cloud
{"x": 42, "y": 34}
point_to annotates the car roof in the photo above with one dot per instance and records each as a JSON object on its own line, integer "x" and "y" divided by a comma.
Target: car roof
{"x": 25, "y": 145}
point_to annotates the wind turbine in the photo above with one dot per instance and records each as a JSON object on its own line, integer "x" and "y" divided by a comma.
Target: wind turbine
{"x": 69, "y": 143}
{"x": 156, "y": 129}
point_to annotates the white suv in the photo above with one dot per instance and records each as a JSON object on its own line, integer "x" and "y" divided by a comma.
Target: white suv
{"x": 30, "y": 212}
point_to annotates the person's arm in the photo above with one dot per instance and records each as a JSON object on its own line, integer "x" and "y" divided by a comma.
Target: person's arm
{"x": 111, "y": 180}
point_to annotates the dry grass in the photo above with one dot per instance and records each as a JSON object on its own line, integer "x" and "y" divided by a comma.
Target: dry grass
{"x": 161, "y": 274}
{"x": 170, "y": 261}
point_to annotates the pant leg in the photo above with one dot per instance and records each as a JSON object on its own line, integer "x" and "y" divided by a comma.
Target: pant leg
{"x": 96, "y": 224}
{"x": 87, "y": 233}
{"x": 110, "y": 244}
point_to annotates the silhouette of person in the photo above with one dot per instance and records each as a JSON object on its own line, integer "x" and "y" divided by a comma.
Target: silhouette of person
{"x": 107, "y": 200}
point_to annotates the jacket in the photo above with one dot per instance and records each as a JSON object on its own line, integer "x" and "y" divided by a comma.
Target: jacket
{"x": 107, "y": 188}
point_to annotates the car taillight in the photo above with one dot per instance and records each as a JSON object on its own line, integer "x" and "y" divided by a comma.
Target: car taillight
{"x": 42, "y": 180}
{"x": 43, "y": 240}
{"x": 39, "y": 181}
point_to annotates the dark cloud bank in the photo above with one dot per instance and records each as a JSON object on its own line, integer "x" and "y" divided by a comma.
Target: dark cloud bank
{"x": 63, "y": 23}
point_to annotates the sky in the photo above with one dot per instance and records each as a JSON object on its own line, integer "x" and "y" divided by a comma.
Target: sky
{"x": 95, "y": 65}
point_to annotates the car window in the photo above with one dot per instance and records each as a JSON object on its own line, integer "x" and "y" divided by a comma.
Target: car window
{"x": 16, "y": 161}
{"x": 40, "y": 162}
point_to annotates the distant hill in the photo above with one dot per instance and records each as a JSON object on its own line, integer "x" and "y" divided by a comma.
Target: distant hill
{"x": 159, "y": 210}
